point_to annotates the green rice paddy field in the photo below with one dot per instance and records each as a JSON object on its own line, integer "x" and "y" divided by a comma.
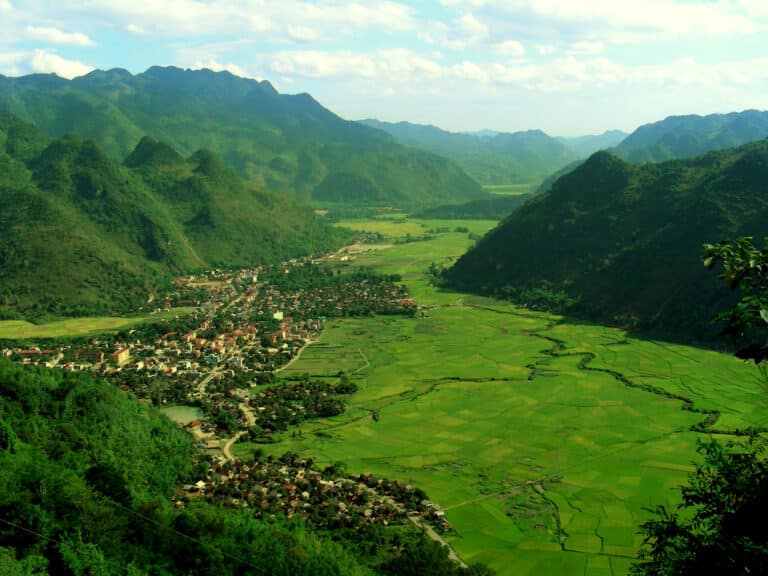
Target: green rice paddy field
{"x": 21, "y": 329}
{"x": 511, "y": 189}
{"x": 543, "y": 463}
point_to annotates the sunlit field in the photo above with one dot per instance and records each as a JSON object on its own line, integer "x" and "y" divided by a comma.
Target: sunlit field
{"x": 21, "y": 329}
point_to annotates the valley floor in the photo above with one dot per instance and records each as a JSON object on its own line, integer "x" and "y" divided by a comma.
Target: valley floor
{"x": 542, "y": 442}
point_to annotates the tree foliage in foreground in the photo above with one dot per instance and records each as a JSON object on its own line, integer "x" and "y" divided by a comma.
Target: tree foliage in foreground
{"x": 719, "y": 527}
{"x": 744, "y": 267}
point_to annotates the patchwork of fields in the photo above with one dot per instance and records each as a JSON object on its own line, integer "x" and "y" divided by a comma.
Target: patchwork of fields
{"x": 543, "y": 441}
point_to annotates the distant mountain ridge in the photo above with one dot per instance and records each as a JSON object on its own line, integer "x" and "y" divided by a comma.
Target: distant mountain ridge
{"x": 692, "y": 135}
{"x": 85, "y": 234}
{"x": 493, "y": 158}
{"x": 627, "y": 239}
{"x": 587, "y": 145}
{"x": 498, "y": 159}
{"x": 287, "y": 143}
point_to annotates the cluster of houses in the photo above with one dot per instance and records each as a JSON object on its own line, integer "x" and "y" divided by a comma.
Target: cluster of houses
{"x": 290, "y": 486}
{"x": 278, "y": 407}
{"x": 352, "y": 297}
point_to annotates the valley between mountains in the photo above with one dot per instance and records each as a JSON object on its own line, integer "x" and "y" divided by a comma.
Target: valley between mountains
{"x": 240, "y": 334}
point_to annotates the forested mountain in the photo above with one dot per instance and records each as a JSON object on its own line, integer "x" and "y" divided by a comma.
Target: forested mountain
{"x": 84, "y": 233}
{"x": 286, "y": 143}
{"x": 689, "y": 136}
{"x": 502, "y": 158}
{"x": 625, "y": 241}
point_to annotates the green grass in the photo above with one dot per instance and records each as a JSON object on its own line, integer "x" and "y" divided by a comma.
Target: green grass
{"x": 21, "y": 329}
{"x": 510, "y": 189}
{"x": 400, "y": 228}
{"x": 509, "y": 458}
{"x": 386, "y": 227}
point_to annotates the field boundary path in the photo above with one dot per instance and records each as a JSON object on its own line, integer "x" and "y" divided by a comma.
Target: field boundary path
{"x": 429, "y": 531}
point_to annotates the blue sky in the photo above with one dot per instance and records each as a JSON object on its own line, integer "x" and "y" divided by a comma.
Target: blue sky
{"x": 567, "y": 67}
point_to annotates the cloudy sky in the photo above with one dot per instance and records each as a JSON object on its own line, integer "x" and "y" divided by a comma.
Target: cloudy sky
{"x": 568, "y": 67}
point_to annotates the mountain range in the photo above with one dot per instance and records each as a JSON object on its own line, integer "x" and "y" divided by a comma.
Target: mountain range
{"x": 85, "y": 234}
{"x": 495, "y": 158}
{"x": 692, "y": 135}
{"x": 286, "y": 143}
{"x": 623, "y": 243}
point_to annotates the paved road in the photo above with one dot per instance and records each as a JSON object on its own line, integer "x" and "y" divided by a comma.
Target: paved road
{"x": 227, "y": 450}
{"x": 204, "y": 382}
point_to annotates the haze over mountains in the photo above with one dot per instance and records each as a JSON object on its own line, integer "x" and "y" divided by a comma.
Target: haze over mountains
{"x": 286, "y": 143}
{"x": 533, "y": 157}
{"x": 525, "y": 157}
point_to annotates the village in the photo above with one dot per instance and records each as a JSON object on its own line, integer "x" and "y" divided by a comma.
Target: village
{"x": 242, "y": 330}
{"x": 220, "y": 364}
{"x": 325, "y": 499}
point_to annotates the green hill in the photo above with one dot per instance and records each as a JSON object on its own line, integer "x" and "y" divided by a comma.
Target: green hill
{"x": 497, "y": 158}
{"x": 689, "y": 136}
{"x": 286, "y": 143}
{"x": 626, "y": 241}
{"x": 85, "y": 234}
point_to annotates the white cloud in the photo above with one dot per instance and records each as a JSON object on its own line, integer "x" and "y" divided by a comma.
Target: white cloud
{"x": 580, "y": 69}
{"x": 5, "y": 6}
{"x": 11, "y": 63}
{"x": 217, "y": 66}
{"x": 288, "y": 19}
{"x": 586, "y": 47}
{"x": 56, "y": 36}
{"x": 359, "y": 15}
{"x": 571, "y": 73}
{"x": 754, "y": 8}
{"x": 303, "y": 34}
{"x": 392, "y": 66}
{"x": 472, "y": 27}
{"x": 464, "y": 31}
{"x": 46, "y": 62}
{"x": 401, "y": 65}
{"x": 137, "y": 30}
{"x": 511, "y": 48}
{"x": 625, "y": 21}
{"x": 545, "y": 49}
{"x": 316, "y": 64}
{"x": 470, "y": 71}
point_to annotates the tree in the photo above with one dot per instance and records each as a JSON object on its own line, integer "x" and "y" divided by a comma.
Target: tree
{"x": 744, "y": 267}
{"x": 719, "y": 526}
